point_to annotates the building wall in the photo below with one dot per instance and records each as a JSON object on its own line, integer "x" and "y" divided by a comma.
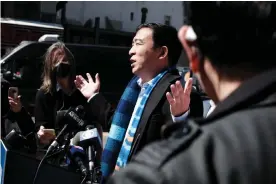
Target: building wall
{"x": 120, "y": 12}
{"x": 48, "y": 6}
{"x": 21, "y": 10}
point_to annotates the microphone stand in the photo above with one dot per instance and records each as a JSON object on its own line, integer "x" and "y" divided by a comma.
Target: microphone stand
{"x": 62, "y": 151}
{"x": 67, "y": 145}
{"x": 90, "y": 151}
{"x": 50, "y": 149}
{"x": 67, "y": 142}
{"x": 94, "y": 175}
{"x": 91, "y": 160}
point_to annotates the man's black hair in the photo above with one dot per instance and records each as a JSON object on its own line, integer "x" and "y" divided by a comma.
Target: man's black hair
{"x": 164, "y": 35}
{"x": 237, "y": 37}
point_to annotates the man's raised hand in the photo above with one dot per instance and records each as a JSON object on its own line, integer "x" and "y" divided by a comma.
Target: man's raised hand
{"x": 179, "y": 98}
{"x": 88, "y": 88}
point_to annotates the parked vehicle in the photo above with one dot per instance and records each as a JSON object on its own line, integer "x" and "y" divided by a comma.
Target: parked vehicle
{"x": 13, "y": 31}
{"x": 22, "y": 67}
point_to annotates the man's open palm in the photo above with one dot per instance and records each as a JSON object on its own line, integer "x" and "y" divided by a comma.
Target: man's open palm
{"x": 88, "y": 88}
{"x": 179, "y": 98}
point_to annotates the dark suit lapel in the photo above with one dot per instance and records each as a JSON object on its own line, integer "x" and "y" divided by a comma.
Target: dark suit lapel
{"x": 154, "y": 99}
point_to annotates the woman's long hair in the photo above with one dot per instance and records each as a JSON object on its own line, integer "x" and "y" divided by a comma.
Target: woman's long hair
{"x": 56, "y": 53}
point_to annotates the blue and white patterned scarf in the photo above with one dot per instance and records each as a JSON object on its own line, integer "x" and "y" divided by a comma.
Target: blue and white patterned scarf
{"x": 117, "y": 148}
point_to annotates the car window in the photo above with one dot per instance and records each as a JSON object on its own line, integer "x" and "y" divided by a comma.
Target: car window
{"x": 30, "y": 71}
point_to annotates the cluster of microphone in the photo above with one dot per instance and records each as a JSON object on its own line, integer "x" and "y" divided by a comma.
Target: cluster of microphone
{"x": 81, "y": 140}
{"x": 83, "y": 149}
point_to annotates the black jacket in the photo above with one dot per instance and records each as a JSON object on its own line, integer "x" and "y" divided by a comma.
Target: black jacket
{"x": 235, "y": 144}
{"x": 47, "y": 106}
{"x": 156, "y": 113}
{"x": 21, "y": 122}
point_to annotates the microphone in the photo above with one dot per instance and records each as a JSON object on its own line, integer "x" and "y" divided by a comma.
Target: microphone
{"x": 15, "y": 140}
{"x": 77, "y": 156}
{"x": 87, "y": 135}
{"x": 75, "y": 116}
{"x": 89, "y": 139}
{"x": 71, "y": 120}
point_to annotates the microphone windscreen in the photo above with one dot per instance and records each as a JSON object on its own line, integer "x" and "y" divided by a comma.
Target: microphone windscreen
{"x": 74, "y": 119}
{"x": 80, "y": 111}
{"x": 60, "y": 118}
{"x": 15, "y": 139}
{"x": 76, "y": 149}
{"x": 90, "y": 136}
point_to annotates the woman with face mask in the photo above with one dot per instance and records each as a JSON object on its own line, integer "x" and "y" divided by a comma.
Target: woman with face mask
{"x": 57, "y": 92}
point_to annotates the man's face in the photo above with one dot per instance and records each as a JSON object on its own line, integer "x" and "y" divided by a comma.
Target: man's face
{"x": 144, "y": 57}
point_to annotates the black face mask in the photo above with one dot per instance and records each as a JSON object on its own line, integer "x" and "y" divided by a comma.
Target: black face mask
{"x": 62, "y": 70}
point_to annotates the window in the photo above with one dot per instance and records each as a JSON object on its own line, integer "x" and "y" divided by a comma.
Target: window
{"x": 167, "y": 20}
{"x": 27, "y": 10}
{"x": 144, "y": 12}
{"x": 131, "y": 16}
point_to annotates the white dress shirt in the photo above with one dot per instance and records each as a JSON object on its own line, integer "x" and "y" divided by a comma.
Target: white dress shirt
{"x": 213, "y": 106}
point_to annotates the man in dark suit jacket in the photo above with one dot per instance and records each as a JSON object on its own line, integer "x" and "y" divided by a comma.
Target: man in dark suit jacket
{"x": 154, "y": 53}
{"x": 231, "y": 51}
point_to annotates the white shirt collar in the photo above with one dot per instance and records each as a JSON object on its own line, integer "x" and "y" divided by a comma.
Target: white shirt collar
{"x": 212, "y": 103}
{"x": 139, "y": 82}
